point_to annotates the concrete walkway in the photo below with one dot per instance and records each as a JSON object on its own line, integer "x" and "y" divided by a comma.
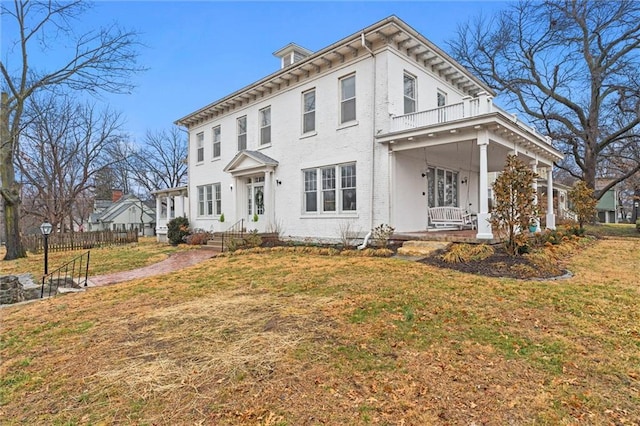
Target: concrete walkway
{"x": 175, "y": 262}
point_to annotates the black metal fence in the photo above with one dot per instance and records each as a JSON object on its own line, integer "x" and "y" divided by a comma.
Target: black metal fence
{"x": 79, "y": 240}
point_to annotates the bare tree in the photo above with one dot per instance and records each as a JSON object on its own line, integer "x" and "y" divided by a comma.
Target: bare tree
{"x": 572, "y": 67}
{"x": 100, "y": 60}
{"x": 62, "y": 147}
{"x": 160, "y": 163}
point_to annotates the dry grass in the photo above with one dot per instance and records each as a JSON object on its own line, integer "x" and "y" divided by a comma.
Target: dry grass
{"x": 294, "y": 339}
{"x": 103, "y": 260}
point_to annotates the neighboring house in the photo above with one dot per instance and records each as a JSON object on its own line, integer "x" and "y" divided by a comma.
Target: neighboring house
{"x": 375, "y": 128}
{"x": 123, "y": 213}
{"x": 608, "y": 206}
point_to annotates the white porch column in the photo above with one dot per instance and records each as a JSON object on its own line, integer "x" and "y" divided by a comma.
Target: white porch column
{"x": 268, "y": 199}
{"x": 158, "y": 209}
{"x": 179, "y": 205}
{"x": 534, "y": 185}
{"x": 484, "y": 226}
{"x": 551, "y": 218}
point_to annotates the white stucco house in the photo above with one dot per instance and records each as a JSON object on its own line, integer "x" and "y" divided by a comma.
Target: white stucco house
{"x": 373, "y": 129}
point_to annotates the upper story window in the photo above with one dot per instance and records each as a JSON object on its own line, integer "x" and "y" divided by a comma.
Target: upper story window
{"x": 200, "y": 147}
{"x": 409, "y": 93}
{"x": 442, "y": 101}
{"x": 309, "y": 111}
{"x": 242, "y": 133}
{"x": 217, "y": 136}
{"x": 348, "y": 99}
{"x": 442, "y": 98}
{"x": 265, "y": 126}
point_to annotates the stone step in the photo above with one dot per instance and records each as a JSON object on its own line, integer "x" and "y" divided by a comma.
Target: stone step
{"x": 421, "y": 248}
{"x": 215, "y": 243}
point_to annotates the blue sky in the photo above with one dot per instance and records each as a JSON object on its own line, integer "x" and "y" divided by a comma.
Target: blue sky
{"x": 199, "y": 51}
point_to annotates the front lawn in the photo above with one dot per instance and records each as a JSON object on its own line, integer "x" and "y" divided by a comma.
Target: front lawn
{"x": 104, "y": 260}
{"x": 292, "y": 339}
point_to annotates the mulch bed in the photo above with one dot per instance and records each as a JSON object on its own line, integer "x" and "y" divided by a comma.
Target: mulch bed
{"x": 500, "y": 264}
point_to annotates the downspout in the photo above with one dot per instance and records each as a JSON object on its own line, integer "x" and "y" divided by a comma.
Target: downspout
{"x": 373, "y": 143}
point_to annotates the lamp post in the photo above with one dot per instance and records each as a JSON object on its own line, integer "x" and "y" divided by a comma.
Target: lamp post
{"x": 46, "y": 228}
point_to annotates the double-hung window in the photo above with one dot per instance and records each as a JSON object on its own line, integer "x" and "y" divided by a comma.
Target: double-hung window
{"x": 409, "y": 93}
{"x": 330, "y": 189}
{"x": 200, "y": 147}
{"x": 204, "y": 201}
{"x": 348, "y": 99}
{"x": 311, "y": 190}
{"x": 309, "y": 111}
{"x": 442, "y": 102}
{"x": 265, "y": 126}
{"x": 242, "y": 132}
{"x": 217, "y": 198}
{"x": 348, "y": 186}
{"x": 217, "y": 136}
{"x": 209, "y": 200}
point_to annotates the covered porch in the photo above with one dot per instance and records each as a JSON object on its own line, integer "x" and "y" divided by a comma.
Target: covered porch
{"x": 450, "y": 156}
{"x": 170, "y": 203}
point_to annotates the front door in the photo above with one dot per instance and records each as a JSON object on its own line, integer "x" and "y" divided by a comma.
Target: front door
{"x": 255, "y": 198}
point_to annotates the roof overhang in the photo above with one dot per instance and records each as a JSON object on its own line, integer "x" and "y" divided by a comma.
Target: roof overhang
{"x": 178, "y": 190}
{"x": 389, "y": 31}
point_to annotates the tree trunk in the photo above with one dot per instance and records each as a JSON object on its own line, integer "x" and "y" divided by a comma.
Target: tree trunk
{"x": 10, "y": 188}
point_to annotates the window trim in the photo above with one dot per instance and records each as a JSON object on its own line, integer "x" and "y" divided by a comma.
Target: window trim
{"x": 208, "y": 201}
{"x": 199, "y": 147}
{"x": 306, "y": 113}
{"x": 405, "y": 97}
{"x": 343, "y": 101}
{"x": 217, "y": 142}
{"x": 320, "y": 189}
{"x": 239, "y": 135}
{"x": 268, "y": 126}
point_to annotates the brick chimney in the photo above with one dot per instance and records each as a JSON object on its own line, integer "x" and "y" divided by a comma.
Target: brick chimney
{"x": 116, "y": 194}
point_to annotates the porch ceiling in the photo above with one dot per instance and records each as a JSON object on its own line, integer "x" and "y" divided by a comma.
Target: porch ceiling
{"x": 505, "y": 135}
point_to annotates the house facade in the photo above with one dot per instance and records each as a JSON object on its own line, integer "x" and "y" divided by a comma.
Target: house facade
{"x": 375, "y": 128}
{"x": 123, "y": 213}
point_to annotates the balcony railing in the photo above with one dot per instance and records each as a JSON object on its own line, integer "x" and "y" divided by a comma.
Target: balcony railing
{"x": 470, "y": 107}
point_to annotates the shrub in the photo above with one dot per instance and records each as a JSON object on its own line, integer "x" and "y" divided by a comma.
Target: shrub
{"x": 515, "y": 205}
{"x": 347, "y": 233}
{"x": 462, "y": 253}
{"x": 380, "y": 235}
{"x": 177, "y": 230}
{"x": 584, "y": 202}
{"x": 198, "y": 237}
{"x": 252, "y": 239}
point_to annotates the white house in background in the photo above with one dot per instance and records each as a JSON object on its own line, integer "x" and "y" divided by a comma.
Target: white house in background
{"x": 375, "y": 128}
{"x": 123, "y": 213}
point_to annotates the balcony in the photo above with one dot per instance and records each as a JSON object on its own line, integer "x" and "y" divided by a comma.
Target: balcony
{"x": 467, "y": 109}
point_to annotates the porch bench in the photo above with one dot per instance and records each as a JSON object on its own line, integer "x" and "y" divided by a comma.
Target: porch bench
{"x": 450, "y": 217}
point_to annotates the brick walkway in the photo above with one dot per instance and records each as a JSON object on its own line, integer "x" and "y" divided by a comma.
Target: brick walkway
{"x": 175, "y": 262}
